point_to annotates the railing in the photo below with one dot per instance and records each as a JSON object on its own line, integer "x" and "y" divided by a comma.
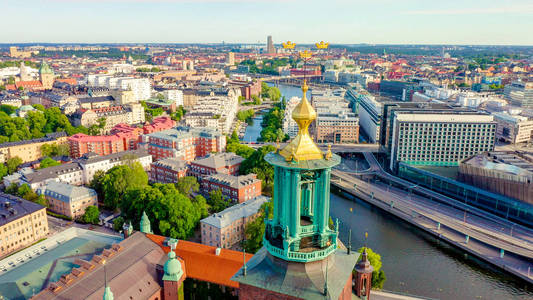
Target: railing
{"x": 307, "y": 229}
{"x": 299, "y": 256}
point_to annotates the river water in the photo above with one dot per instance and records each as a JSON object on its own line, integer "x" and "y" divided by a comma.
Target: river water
{"x": 415, "y": 262}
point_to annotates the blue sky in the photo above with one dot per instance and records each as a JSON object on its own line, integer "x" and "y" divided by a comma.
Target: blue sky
{"x": 337, "y": 21}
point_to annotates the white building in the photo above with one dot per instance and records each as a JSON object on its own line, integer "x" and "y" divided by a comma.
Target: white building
{"x": 289, "y": 125}
{"x": 174, "y": 95}
{"x": 217, "y": 112}
{"x": 140, "y": 87}
{"x": 370, "y": 113}
{"x": 513, "y": 128}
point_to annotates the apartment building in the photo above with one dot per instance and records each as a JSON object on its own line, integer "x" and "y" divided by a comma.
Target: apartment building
{"x": 513, "y": 128}
{"x": 335, "y": 122}
{"x": 216, "y": 112}
{"x": 237, "y": 188}
{"x": 220, "y": 163}
{"x": 226, "y": 228}
{"x": 168, "y": 170}
{"x": 184, "y": 142}
{"x": 22, "y": 223}
{"x": 68, "y": 200}
{"x": 289, "y": 125}
{"x": 30, "y": 150}
{"x": 122, "y": 114}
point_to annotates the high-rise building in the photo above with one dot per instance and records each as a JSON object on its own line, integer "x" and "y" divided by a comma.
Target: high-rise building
{"x": 270, "y": 46}
{"x": 439, "y": 138}
{"x": 301, "y": 253}
{"x": 230, "y": 59}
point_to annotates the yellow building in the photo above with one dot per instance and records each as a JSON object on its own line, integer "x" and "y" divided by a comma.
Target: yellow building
{"x": 30, "y": 150}
{"x": 22, "y": 223}
{"x": 69, "y": 200}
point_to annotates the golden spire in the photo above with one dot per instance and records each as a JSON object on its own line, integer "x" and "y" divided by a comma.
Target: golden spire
{"x": 302, "y": 146}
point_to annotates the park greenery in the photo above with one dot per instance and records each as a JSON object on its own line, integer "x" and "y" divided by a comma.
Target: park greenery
{"x": 171, "y": 213}
{"x": 272, "y": 124}
{"x": 257, "y": 164}
{"x": 24, "y": 191}
{"x": 96, "y": 129}
{"x": 36, "y": 124}
{"x": 12, "y": 164}
{"x": 48, "y": 162}
{"x": 378, "y": 275}
{"x": 268, "y": 66}
{"x": 245, "y": 115}
{"x": 16, "y": 63}
{"x": 54, "y": 149}
{"x": 150, "y": 113}
{"x": 217, "y": 202}
{"x": 178, "y": 114}
{"x": 256, "y": 229}
{"x": 234, "y": 145}
{"x": 91, "y": 215}
{"x": 118, "y": 223}
{"x": 144, "y": 70}
{"x": 270, "y": 92}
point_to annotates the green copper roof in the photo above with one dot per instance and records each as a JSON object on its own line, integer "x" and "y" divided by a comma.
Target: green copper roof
{"x": 145, "y": 224}
{"x": 108, "y": 295}
{"x": 172, "y": 268}
{"x": 45, "y": 69}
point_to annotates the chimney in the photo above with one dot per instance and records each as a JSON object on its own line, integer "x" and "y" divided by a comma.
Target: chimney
{"x": 217, "y": 251}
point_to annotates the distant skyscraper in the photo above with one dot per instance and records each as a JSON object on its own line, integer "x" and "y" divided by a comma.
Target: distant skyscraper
{"x": 230, "y": 60}
{"x": 270, "y": 46}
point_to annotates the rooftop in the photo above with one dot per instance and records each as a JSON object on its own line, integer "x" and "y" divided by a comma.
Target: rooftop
{"x": 66, "y": 192}
{"x": 219, "y": 160}
{"x": 13, "y": 208}
{"x": 235, "y": 212}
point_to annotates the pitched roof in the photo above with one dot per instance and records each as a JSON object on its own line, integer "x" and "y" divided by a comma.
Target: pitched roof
{"x": 231, "y": 180}
{"x": 202, "y": 263}
{"x": 12, "y": 208}
{"x": 219, "y": 160}
{"x": 66, "y": 192}
{"x": 235, "y": 212}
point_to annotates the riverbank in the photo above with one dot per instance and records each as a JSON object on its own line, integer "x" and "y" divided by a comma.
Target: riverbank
{"x": 487, "y": 253}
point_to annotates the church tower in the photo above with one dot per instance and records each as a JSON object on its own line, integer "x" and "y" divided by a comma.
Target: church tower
{"x": 46, "y": 75}
{"x": 301, "y": 257}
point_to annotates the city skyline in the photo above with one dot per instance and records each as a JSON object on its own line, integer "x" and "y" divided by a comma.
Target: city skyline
{"x": 238, "y": 21}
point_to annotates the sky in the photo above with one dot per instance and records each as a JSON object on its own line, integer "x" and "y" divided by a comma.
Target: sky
{"x": 488, "y": 22}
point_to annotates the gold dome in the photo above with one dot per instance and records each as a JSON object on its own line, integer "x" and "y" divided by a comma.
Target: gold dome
{"x": 302, "y": 147}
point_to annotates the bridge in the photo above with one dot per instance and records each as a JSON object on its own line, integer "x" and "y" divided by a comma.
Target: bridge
{"x": 335, "y": 148}
{"x": 476, "y": 231}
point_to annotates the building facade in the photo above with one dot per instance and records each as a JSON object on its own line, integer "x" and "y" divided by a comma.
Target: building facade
{"x": 30, "y": 150}
{"x": 520, "y": 93}
{"x": 227, "y": 228}
{"x": 168, "y": 170}
{"x": 69, "y": 200}
{"x": 22, "y": 223}
{"x": 220, "y": 163}
{"x": 513, "y": 129}
{"x": 237, "y": 188}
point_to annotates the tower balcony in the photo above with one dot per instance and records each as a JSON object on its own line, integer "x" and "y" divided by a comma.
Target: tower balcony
{"x": 298, "y": 256}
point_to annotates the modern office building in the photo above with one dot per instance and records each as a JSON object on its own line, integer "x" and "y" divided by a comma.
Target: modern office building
{"x": 513, "y": 128}
{"x": 438, "y": 137}
{"x": 506, "y": 173}
{"x": 369, "y": 113}
{"x": 270, "y": 45}
{"x": 237, "y": 188}
{"x": 22, "y": 223}
{"x": 68, "y": 200}
{"x": 227, "y": 228}
{"x": 335, "y": 122}
{"x": 520, "y": 93}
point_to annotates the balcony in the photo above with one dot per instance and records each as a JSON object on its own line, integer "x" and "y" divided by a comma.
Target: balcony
{"x": 299, "y": 256}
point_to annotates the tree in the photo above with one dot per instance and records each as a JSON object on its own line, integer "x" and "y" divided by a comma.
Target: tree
{"x": 3, "y": 170}
{"x": 217, "y": 201}
{"x": 91, "y": 215}
{"x": 255, "y": 230}
{"x": 188, "y": 185}
{"x": 119, "y": 179}
{"x": 97, "y": 183}
{"x": 256, "y": 163}
{"x": 13, "y": 163}
{"x": 94, "y": 130}
{"x": 52, "y": 150}
{"x": 171, "y": 213}
{"x": 378, "y": 275}
{"x": 118, "y": 223}
{"x": 48, "y": 162}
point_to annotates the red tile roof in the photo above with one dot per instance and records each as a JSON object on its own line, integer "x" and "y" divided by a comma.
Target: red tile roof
{"x": 203, "y": 264}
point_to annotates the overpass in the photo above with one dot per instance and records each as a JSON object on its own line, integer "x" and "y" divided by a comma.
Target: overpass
{"x": 336, "y": 148}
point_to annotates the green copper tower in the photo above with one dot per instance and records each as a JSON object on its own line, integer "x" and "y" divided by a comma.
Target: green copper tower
{"x": 145, "y": 224}
{"x": 299, "y": 230}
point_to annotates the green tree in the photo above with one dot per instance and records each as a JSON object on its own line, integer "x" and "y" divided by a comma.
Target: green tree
{"x": 36, "y": 122}
{"x": 91, "y": 215}
{"x": 54, "y": 149}
{"x": 118, "y": 223}
{"x": 378, "y": 275}
{"x": 188, "y": 185}
{"x": 119, "y": 179}
{"x": 171, "y": 213}
{"x": 256, "y": 163}
{"x": 255, "y": 230}
{"x": 3, "y": 170}
{"x": 94, "y": 130}
{"x": 8, "y": 109}
{"x": 48, "y": 162}
{"x": 217, "y": 201}
{"x": 97, "y": 183}
{"x": 13, "y": 163}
